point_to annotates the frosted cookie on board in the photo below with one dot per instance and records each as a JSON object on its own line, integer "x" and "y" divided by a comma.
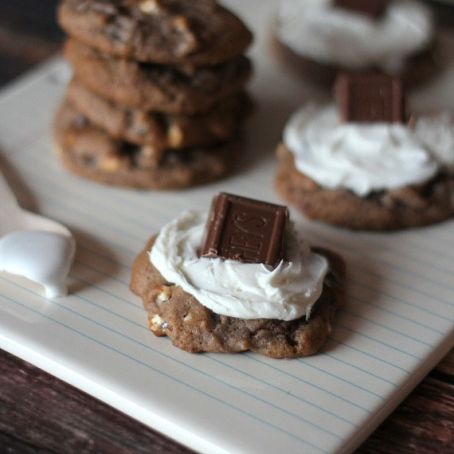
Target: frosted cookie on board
{"x": 362, "y": 164}
{"x": 321, "y": 37}
{"x": 238, "y": 279}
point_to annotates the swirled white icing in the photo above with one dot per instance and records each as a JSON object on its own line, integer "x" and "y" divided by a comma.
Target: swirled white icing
{"x": 368, "y": 157}
{"x": 335, "y": 36}
{"x": 235, "y": 289}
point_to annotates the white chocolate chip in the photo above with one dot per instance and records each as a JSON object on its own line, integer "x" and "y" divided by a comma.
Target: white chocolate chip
{"x": 110, "y": 163}
{"x": 149, "y": 151}
{"x": 180, "y": 23}
{"x": 156, "y": 321}
{"x": 175, "y": 136}
{"x": 150, "y": 7}
{"x": 158, "y": 325}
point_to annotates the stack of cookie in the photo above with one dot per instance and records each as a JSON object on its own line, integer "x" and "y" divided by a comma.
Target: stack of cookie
{"x": 157, "y": 95}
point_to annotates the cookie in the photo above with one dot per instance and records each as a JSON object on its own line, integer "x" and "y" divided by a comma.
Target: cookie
{"x": 91, "y": 153}
{"x": 194, "y": 328}
{"x": 148, "y": 87}
{"x": 418, "y": 69}
{"x": 157, "y": 31}
{"x": 161, "y": 130}
{"x": 411, "y": 206}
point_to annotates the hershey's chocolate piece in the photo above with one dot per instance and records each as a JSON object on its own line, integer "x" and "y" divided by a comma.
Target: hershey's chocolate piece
{"x": 372, "y": 8}
{"x": 370, "y": 98}
{"x": 245, "y": 230}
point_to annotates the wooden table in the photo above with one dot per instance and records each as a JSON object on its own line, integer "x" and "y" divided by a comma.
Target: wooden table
{"x": 39, "y": 413}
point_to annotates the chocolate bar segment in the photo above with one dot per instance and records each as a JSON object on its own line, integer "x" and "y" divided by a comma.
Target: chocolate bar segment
{"x": 372, "y": 8}
{"x": 370, "y": 98}
{"x": 245, "y": 230}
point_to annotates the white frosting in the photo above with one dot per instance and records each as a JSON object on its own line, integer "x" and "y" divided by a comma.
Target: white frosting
{"x": 336, "y": 36}
{"x": 368, "y": 157}
{"x": 436, "y": 132}
{"x": 235, "y": 289}
{"x": 43, "y": 257}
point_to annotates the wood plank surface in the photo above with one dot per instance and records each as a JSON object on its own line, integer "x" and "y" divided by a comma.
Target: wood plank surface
{"x": 41, "y": 414}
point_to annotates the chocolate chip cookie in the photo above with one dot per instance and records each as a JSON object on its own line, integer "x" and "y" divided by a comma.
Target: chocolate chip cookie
{"x": 91, "y": 153}
{"x": 411, "y": 206}
{"x": 183, "y": 90}
{"x": 160, "y": 130}
{"x": 192, "y": 327}
{"x": 167, "y": 32}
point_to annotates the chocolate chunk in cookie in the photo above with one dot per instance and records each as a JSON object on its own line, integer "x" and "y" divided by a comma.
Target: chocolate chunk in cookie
{"x": 370, "y": 98}
{"x": 372, "y": 8}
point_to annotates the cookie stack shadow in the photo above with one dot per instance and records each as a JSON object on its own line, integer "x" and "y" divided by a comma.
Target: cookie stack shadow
{"x": 157, "y": 97}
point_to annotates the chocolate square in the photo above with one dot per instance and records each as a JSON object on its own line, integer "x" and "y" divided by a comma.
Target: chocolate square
{"x": 370, "y": 98}
{"x": 372, "y": 8}
{"x": 245, "y": 230}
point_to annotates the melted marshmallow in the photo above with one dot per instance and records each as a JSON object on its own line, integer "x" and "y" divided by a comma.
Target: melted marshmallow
{"x": 235, "y": 289}
{"x": 42, "y": 257}
{"x": 368, "y": 157}
{"x": 336, "y": 36}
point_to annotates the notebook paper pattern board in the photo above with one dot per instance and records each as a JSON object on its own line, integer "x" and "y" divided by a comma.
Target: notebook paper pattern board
{"x": 397, "y": 323}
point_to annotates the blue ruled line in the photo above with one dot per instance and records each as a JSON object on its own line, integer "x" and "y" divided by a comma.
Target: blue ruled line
{"x": 171, "y": 377}
{"x": 360, "y": 369}
{"x": 363, "y": 302}
{"x": 379, "y": 342}
{"x": 400, "y": 300}
{"x": 365, "y": 353}
{"x": 324, "y": 410}
{"x": 388, "y": 311}
{"x": 344, "y": 344}
{"x": 177, "y": 361}
{"x": 378, "y": 258}
{"x": 362, "y": 269}
{"x": 305, "y": 363}
{"x": 387, "y": 328}
{"x": 296, "y": 377}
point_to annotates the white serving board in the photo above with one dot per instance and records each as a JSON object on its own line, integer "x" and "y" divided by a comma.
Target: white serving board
{"x": 397, "y": 324}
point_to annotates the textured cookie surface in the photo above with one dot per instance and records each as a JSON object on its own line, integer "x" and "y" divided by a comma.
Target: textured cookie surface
{"x": 411, "y": 206}
{"x": 161, "y": 130}
{"x": 155, "y": 87}
{"x": 159, "y": 31}
{"x": 91, "y": 153}
{"x": 195, "y": 328}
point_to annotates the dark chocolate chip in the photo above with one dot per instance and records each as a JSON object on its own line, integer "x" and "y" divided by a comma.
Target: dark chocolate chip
{"x": 245, "y": 230}
{"x": 370, "y": 98}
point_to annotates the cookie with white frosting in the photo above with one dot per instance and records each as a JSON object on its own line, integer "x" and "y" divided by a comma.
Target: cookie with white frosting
{"x": 368, "y": 175}
{"x": 213, "y": 304}
{"x": 318, "y": 38}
